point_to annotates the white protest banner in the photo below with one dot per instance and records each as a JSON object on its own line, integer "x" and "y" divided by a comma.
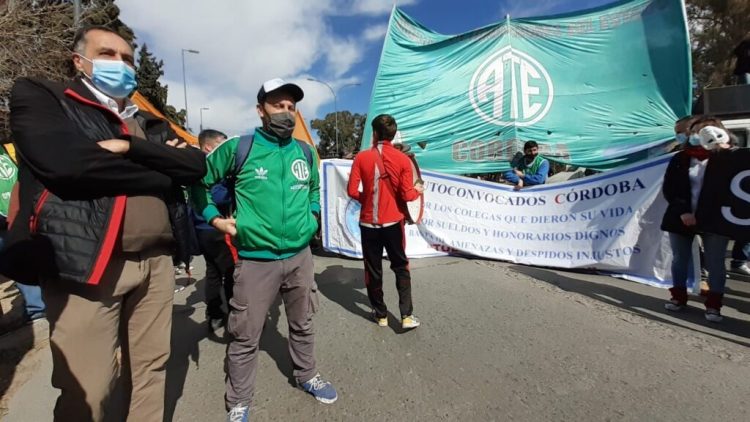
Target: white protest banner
{"x": 608, "y": 222}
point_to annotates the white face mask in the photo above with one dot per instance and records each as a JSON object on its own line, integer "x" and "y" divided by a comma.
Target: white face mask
{"x": 712, "y": 137}
{"x": 112, "y": 77}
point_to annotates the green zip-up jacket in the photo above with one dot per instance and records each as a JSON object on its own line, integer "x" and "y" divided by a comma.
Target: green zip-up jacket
{"x": 276, "y": 194}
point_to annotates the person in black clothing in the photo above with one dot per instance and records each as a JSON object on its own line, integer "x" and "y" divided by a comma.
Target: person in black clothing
{"x": 742, "y": 62}
{"x": 101, "y": 212}
{"x": 684, "y": 191}
{"x": 214, "y": 244}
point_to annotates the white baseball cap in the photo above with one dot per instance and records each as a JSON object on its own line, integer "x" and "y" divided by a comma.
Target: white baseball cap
{"x": 279, "y": 84}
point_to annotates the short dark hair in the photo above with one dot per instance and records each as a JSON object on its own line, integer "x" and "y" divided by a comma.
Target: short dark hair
{"x": 529, "y": 145}
{"x": 79, "y": 41}
{"x": 207, "y": 135}
{"x": 385, "y": 126}
{"x": 711, "y": 120}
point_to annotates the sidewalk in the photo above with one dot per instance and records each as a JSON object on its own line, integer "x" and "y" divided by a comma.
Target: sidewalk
{"x": 19, "y": 344}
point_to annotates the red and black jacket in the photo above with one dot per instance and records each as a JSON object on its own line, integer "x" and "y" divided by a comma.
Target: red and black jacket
{"x": 72, "y": 192}
{"x": 383, "y": 191}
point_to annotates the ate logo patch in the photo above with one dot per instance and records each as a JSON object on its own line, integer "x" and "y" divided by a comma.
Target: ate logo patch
{"x": 300, "y": 170}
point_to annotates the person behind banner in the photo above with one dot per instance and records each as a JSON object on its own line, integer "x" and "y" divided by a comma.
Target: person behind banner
{"x": 531, "y": 169}
{"x": 681, "y": 132}
{"x": 213, "y": 244}
{"x": 682, "y": 135}
{"x": 386, "y": 177}
{"x": 277, "y": 209}
{"x": 683, "y": 190}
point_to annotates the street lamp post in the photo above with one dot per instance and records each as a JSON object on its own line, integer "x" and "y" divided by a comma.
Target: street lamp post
{"x": 76, "y": 13}
{"x": 335, "y": 111}
{"x": 203, "y": 108}
{"x": 335, "y": 108}
{"x": 184, "y": 83}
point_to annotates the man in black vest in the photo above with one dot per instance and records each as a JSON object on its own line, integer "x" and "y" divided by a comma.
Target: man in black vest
{"x": 99, "y": 194}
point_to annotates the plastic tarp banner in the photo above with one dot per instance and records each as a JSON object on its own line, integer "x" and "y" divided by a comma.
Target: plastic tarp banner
{"x": 300, "y": 129}
{"x": 145, "y": 105}
{"x": 609, "y": 222}
{"x": 597, "y": 88}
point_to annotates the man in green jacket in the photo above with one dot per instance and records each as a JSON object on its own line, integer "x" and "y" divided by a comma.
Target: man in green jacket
{"x": 277, "y": 195}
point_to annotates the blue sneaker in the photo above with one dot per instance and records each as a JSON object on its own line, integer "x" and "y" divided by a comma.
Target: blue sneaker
{"x": 239, "y": 413}
{"x": 322, "y": 390}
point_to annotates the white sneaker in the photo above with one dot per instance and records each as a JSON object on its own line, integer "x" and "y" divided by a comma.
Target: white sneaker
{"x": 382, "y": 322}
{"x": 742, "y": 270}
{"x": 410, "y": 321}
{"x": 713, "y": 315}
{"x": 674, "y": 306}
{"x": 239, "y": 413}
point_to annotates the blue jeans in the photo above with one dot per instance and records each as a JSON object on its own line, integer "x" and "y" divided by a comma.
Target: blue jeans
{"x": 511, "y": 177}
{"x": 740, "y": 253}
{"x": 715, "y": 247}
{"x": 32, "y": 296}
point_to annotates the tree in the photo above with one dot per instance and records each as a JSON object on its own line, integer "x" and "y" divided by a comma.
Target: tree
{"x": 351, "y": 126}
{"x": 106, "y": 13}
{"x": 36, "y": 39}
{"x": 148, "y": 73}
{"x": 176, "y": 116}
{"x": 716, "y": 27}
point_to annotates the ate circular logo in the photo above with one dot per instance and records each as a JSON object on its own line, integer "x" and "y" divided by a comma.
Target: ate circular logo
{"x": 300, "y": 170}
{"x": 511, "y": 87}
{"x": 7, "y": 168}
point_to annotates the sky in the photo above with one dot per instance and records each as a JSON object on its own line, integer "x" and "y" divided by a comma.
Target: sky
{"x": 242, "y": 43}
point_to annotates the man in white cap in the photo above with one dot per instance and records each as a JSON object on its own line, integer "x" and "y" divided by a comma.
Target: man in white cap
{"x": 277, "y": 208}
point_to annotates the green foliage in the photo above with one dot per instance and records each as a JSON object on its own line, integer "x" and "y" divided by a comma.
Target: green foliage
{"x": 351, "y": 126}
{"x": 716, "y": 28}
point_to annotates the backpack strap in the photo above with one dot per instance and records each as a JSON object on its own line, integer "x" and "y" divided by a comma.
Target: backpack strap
{"x": 389, "y": 181}
{"x": 307, "y": 150}
{"x": 244, "y": 146}
{"x": 243, "y": 151}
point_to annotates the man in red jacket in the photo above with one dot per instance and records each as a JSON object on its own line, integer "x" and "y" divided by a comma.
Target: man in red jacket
{"x": 387, "y": 182}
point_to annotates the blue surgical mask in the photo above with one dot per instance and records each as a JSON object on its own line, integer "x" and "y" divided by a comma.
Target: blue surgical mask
{"x": 681, "y": 138}
{"x": 694, "y": 140}
{"x": 113, "y": 77}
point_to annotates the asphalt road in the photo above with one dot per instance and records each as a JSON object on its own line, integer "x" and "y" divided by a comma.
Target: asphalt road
{"x": 499, "y": 342}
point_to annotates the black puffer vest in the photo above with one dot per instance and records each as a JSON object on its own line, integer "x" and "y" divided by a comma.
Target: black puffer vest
{"x": 71, "y": 239}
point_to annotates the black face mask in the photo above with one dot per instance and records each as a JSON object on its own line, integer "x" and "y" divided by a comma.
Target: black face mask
{"x": 281, "y": 124}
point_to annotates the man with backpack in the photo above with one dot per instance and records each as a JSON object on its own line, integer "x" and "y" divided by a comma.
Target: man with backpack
{"x": 276, "y": 191}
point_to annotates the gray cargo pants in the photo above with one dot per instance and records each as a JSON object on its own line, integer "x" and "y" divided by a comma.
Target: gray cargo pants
{"x": 256, "y": 284}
